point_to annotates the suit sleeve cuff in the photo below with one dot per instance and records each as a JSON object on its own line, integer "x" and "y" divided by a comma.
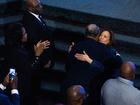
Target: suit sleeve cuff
{"x": 2, "y": 87}
{"x": 97, "y": 65}
{"x": 14, "y": 91}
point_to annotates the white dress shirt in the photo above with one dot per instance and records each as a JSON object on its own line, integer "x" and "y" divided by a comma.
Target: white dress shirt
{"x": 35, "y": 15}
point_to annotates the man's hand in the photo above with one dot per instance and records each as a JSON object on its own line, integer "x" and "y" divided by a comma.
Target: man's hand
{"x": 40, "y": 46}
{"x": 83, "y": 57}
{"x": 6, "y": 80}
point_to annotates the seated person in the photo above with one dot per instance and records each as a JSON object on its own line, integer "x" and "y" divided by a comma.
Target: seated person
{"x": 14, "y": 99}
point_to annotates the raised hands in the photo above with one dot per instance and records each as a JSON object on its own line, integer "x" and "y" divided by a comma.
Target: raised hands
{"x": 13, "y": 83}
{"x": 40, "y": 46}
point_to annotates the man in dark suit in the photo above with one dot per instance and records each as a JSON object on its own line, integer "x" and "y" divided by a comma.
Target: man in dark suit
{"x": 37, "y": 30}
{"x": 14, "y": 99}
{"x": 81, "y": 73}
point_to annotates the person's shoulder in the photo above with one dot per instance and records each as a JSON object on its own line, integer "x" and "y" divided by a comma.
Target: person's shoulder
{"x": 114, "y": 51}
{"x": 89, "y": 41}
{"x": 26, "y": 16}
{"x": 80, "y": 43}
{"x": 99, "y": 45}
{"x": 136, "y": 90}
{"x": 26, "y": 12}
{"x": 110, "y": 81}
{"x": 134, "y": 94}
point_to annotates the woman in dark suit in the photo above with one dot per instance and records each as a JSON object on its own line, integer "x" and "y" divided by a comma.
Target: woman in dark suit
{"x": 19, "y": 58}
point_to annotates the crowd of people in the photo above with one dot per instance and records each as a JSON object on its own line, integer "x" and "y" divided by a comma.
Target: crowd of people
{"x": 95, "y": 71}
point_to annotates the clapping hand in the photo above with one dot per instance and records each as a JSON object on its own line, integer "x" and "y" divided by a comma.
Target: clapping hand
{"x": 40, "y": 46}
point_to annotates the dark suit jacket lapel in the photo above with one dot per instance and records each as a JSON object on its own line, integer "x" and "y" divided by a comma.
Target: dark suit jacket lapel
{"x": 42, "y": 22}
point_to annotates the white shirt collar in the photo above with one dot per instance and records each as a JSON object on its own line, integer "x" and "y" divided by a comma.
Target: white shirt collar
{"x": 125, "y": 81}
{"x": 35, "y": 15}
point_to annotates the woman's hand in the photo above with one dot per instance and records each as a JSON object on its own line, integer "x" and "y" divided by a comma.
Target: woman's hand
{"x": 83, "y": 57}
{"x": 40, "y": 46}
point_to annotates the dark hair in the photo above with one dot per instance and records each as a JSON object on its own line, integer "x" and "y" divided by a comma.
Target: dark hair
{"x": 93, "y": 31}
{"x": 13, "y": 34}
{"x": 112, "y": 41}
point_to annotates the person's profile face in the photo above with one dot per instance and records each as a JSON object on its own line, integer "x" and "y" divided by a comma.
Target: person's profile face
{"x": 104, "y": 37}
{"x": 37, "y": 7}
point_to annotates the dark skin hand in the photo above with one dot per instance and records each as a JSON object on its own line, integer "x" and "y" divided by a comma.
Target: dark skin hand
{"x": 14, "y": 83}
{"x": 6, "y": 80}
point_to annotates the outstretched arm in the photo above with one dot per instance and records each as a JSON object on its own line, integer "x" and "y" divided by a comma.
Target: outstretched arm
{"x": 93, "y": 63}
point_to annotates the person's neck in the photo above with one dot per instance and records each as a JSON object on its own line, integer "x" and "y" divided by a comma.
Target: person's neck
{"x": 90, "y": 37}
{"x": 126, "y": 80}
{"x": 75, "y": 104}
{"x": 32, "y": 12}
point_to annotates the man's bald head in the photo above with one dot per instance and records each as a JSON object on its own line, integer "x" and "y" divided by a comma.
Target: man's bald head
{"x": 34, "y": 6}
{"x": 76, "y": 95}
{"x": 92, "y": 30}
{"x": 128, "y": 70}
